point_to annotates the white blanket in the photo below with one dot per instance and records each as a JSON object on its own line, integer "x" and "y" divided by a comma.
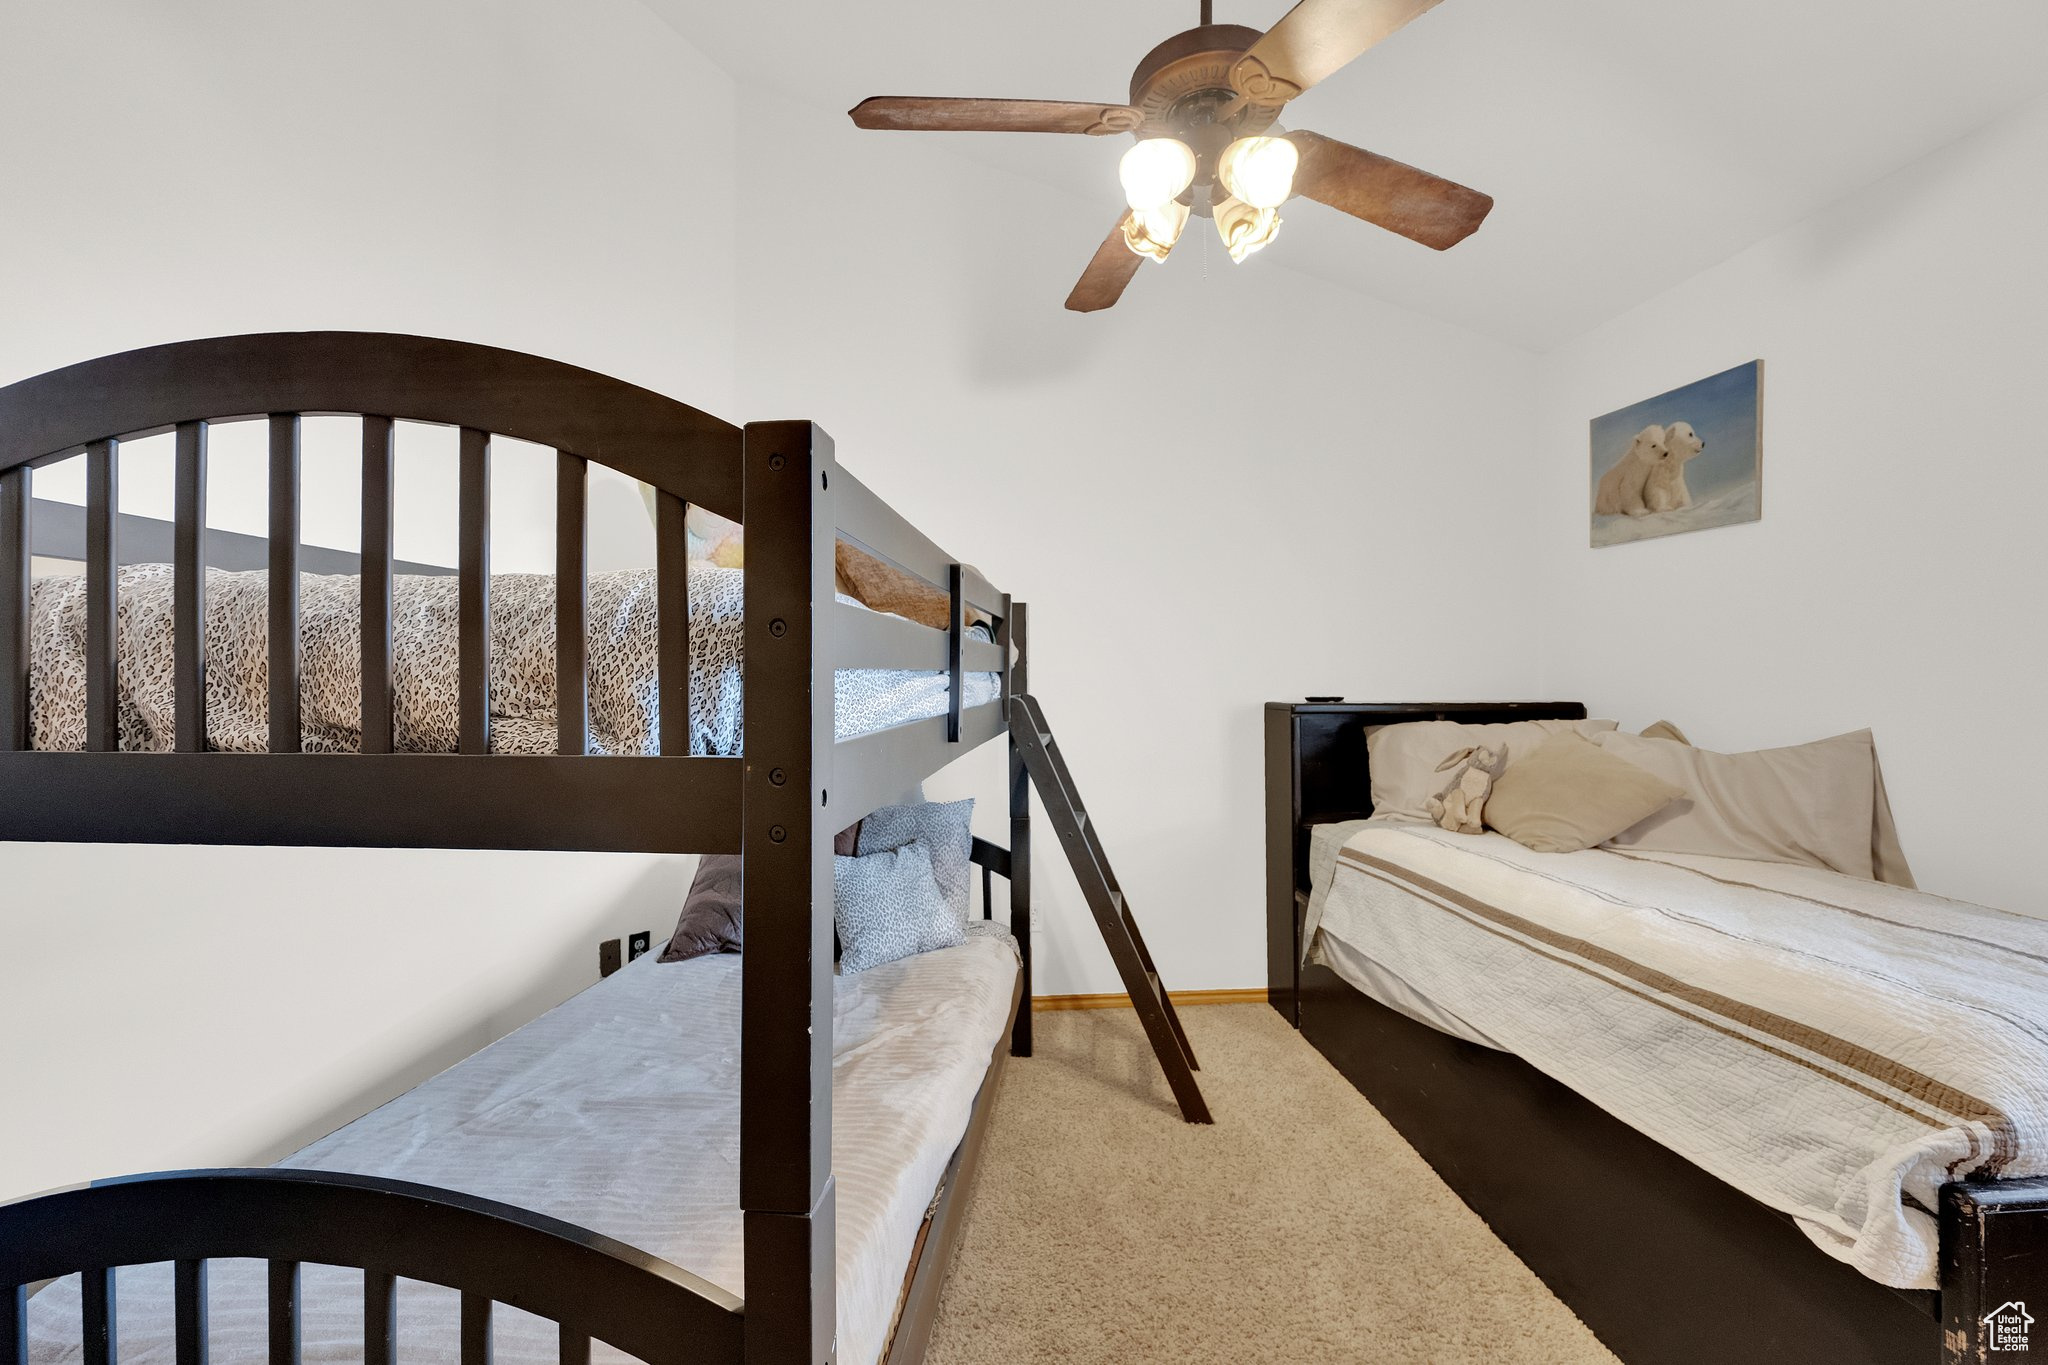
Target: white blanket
{"x": 1838, "y": 1049}
{"x": 619, "y": 1111}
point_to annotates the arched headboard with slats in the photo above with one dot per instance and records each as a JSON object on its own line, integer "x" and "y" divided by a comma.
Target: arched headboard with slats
{"x": 193, "y": 795}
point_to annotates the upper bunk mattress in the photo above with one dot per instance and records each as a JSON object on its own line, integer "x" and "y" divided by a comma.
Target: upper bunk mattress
{"x": 619, "y": 1111}
{"x": 1837, "y": 1049}
{"x": 622, "y": 625}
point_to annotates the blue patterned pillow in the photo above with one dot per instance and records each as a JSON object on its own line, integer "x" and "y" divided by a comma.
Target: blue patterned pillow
{"x": 887, "y": 906}
{"x": 943, "y": 827}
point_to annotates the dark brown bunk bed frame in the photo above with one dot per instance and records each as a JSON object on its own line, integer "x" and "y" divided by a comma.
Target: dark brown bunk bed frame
{"x": 1666, "y": 1263}
{"x": 778, "y": 807}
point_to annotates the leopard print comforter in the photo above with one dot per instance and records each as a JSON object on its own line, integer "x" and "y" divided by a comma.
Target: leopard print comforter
{"x": 622, "y": 623}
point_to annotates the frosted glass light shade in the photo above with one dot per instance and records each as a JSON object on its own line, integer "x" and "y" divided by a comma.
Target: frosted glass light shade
{"x": 1152, "y": 232}
{"x": 1245, "y": 229}
{"x": 1156, "y": 170}
{"x": 1259, "y": 170}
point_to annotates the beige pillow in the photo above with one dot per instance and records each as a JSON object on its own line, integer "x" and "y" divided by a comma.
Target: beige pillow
{"x": 1403, "y": 758}
{"x": 1571, "y": 794}
{"x": 1810, "y": 803}
{"x": 1664, "y": 729}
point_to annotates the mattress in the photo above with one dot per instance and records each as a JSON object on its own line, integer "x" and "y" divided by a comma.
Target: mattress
{"x": 1838, "y": 1049}
{"x": 619, "y": 1111}
{"x": 622, "y": 625}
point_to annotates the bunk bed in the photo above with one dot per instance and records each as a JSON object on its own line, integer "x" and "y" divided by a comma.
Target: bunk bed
{"x": 777, "y": 805}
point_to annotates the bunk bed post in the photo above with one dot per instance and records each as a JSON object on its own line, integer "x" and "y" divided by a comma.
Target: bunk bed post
{"x": 1017, "y": 681}
{"x": 786, "y": 868}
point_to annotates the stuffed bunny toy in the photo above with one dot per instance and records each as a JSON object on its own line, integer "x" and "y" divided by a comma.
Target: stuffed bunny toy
{"x": 1461, "y": 807}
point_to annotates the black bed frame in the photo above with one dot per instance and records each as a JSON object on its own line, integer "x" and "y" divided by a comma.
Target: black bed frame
{"x": 1667, "y": 1264}
{"x": 777, "y": 807}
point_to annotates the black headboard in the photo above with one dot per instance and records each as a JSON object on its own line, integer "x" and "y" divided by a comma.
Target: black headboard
{"x": 1316, "y": 774}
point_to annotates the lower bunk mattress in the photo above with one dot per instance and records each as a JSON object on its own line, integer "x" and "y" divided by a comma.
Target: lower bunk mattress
{"x": 1837, "y": 1049}
{"x": 619, "y": 1111}
{"x": 622, "y": 638}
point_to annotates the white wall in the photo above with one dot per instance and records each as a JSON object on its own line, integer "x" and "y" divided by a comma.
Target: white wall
{"x": 1895, "y": 578}
{"x": 1193, "y": 490}
{"x": 547, "y": 177}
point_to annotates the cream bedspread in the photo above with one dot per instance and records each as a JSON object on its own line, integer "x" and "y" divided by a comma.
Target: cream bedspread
{"x": 619, "y": 1111}
{"x": 1836, "y": 1048}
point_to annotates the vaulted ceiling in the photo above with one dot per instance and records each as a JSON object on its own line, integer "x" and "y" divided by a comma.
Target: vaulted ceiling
{"x": 1629, "y": 143}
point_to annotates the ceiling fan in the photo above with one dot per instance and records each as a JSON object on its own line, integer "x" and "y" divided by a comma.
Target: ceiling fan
{"x": 1203, "y": 108}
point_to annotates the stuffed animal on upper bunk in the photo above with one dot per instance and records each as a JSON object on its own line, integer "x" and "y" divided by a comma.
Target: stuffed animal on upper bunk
{"x": 1461, "y": 806}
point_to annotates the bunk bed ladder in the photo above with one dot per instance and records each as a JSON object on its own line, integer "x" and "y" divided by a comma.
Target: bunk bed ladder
{"x": 1105, "y": 897}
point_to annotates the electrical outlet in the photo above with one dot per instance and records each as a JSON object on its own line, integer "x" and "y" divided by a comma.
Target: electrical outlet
{"x": 1037, "y": 919}
{"x": 607, "y": 957}
{"x": 639, "y": 944}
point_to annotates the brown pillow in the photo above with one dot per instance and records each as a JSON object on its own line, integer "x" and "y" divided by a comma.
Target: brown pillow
{"x": 710, "y": 921}
{"x": 881, "y": 586}
{"x": 1569, "y": 794}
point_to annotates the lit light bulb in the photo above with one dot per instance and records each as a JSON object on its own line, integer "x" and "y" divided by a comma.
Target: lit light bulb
{"x": 1152, "y": 232}
{"x": 1259, "y": 170}
{"x": 1245, "y": 229}
{"x": 1155, "y": 171}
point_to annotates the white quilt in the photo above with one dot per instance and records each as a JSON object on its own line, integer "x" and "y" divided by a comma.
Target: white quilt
{"x": 1838, "y": 1049}
{"x": 619, "y": 1111}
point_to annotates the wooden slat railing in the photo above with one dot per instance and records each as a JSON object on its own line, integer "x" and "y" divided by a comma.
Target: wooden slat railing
{"x": 188, "y": 568}
{"x": 14, "y": 585}
{"x": 476, "y": 1330}
{"x": 99, "y": 1325}
{"x": 283, "y": 586}
{"x": 380, "y": 1318}
{"x": 871, "y": 770}
{"x": 956, "y": 632}
{"x": 572, "y": 676}
{"x": 473, "y": 613}
{"x": 672, "y": 590}
{"x": 102, "y": 692}
{"x": 188, "y": 1314}
{"x": 380, "y": 680}
{"x": 285, "y": 1312}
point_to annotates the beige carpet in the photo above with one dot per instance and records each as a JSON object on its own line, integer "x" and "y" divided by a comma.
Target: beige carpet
{"x": 1299, "y": 1228}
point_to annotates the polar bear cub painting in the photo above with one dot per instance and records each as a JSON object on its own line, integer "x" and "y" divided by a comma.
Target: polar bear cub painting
{"x": 1649, "y": 474}
{"x": 1665, "y": 490}
{"x": 1622, "y": 488}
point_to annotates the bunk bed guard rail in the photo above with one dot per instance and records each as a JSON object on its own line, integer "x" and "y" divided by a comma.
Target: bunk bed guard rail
{"x": 777, "y": 806}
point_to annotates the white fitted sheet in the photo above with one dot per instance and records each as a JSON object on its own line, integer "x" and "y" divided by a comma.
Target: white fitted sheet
{"x": 619, "y": 1111}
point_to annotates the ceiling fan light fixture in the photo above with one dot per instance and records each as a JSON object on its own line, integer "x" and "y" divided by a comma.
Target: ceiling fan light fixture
{"x": 1152, "y": 232}
{"x": 1155, "y": 171}
{"x": 1259, "y": 170}
{"x": 1245, "y": 229}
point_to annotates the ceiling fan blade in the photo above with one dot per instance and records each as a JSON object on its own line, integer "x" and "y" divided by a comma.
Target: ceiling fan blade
{"x": 1422, "y": 207}
{"x": 1312, "y": 41}
{"x": 1102, "y": 283}
{"x": 919, "y": 114}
